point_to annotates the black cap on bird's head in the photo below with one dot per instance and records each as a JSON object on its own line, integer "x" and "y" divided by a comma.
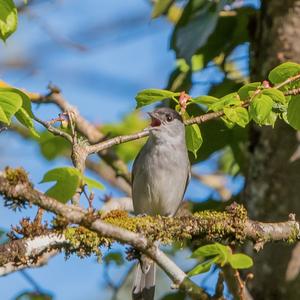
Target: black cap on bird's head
{"x": 164, "y": 115}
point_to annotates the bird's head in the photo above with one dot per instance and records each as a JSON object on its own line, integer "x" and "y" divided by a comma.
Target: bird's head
{"x": 166, "y": 122}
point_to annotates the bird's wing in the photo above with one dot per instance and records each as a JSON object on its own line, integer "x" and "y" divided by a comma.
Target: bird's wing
{"x": 188, "y": 178}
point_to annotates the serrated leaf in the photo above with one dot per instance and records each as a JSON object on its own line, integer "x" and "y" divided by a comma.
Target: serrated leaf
{"x": 8, "y": 18}
{"x": 67, "y": 181}
{"x": 24, "y": 118}
{"x": 240, "y": 261}
{"x": 193, "y": 138}
{"x": 238, "y": 115}
{"x": 93, "y": 184}
{"x": 10, "y": 103}
{"x": 206, "y": 100}
{"x": 275, "y": 94}
{"x": 283, "y": 72}
{"x": 260, "y": 108}
{"x": 245, "y": 89}
{"x": 161, "y": 7}
{"x": 293, "y": 112}
{"x": 150, "y": 96}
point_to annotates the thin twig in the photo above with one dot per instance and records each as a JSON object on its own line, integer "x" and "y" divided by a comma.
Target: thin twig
{"x": 54, "y": 130}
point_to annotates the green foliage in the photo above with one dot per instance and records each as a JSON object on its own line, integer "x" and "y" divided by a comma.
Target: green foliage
{"x": 67, "y": 180}
{"x": 197, "y": 22}
{"x": 229, "y": 100}
{"x": 260, "y": 108}
{"x": 238, "y": 115}
{"x": 130, "y": 124}
{"x": 150, "y": 96}
{"x": 115, "y": 257}
{"x": 28, "y": 295}
{"x": 92, "y": 183}
{"x": 293, "y": 112}
{"x": 161, "y": 7}
{"x": 244, "y": 91}
{"x": 220, "y": 255}
{"x": 8, "y": 18}
{"x": 283, "y": 72}
{"x": 193, "y": 138}
{"x": 52, "y": 146}
{"x": 10, "y": 103}
{"x": 13, "y": 102}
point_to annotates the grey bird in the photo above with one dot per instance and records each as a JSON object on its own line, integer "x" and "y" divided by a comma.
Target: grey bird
{"x": 160, "y": 176}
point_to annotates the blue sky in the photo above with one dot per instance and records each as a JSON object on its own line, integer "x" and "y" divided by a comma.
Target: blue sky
{"x": 124, "y": 52}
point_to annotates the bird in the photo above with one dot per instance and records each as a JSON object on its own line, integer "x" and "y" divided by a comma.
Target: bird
{"x": 160, "y": 175}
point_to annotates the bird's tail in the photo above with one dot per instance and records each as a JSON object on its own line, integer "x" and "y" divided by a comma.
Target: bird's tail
{"x": 144, "y": 283}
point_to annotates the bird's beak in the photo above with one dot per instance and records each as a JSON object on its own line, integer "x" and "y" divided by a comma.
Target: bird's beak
{"x": 155, "y": 121}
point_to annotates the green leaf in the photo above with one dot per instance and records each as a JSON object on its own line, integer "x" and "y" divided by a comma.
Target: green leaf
{"x": 238, "y": 115}
{"x": 29, "y": 295}
{"x": 114, "y": 257}
{"x": 149, "y": 96}
{"x": 161, "y": 7}
{"x": 245, "y": 89}
{"x": 206, "y": 100}
{"x": 293, "y": 112}
{"x": 206, "y": 251}
{"x": 231, "y": 99}
{"x": 240, "y": 261}
{"x": 283, "y": 72}
{"x": 93, "y": 184}
{"x": 130, "y": 124}
{"x": 276, "y": 95}
{"x": 24, "y": 118}
{"x": 10, "y": 103}
{"x": 202, "y": 268}
{"x": 193, "y": 138}
{"x": 52, "y": 146}
{"x": 260, "y": 108}
{"x": 67, "y": 181}
{"x": 196, "y": 24}
{"x": 8, "y": 18}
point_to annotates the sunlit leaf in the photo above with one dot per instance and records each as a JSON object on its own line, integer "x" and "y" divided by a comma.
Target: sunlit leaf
{"x": 206, "y": 100}
{"x": 283, "y": 72}
{"x": 238, "y": 115}
{"x": 67, "y": 181}
{"x": 245, "y": 89}
{"x": 240, "y": 261}
{"x": 260, "y": 108}
{"x": 8, "y": 18}
{"x": 161, "y": 7}
{"x": 193, "y": 138}
{"x": 92, "y": 183}
{"x": 276, "y": 95}
{"x": 10, "y": 103}
{"x": 202, "y": 268}
{"x": 293, "y": 112}
{"x": 24, "y": 118}
{"x": 149, "y": 96}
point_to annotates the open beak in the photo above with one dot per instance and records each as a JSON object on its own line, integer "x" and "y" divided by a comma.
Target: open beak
{"x": 155, "y": 122}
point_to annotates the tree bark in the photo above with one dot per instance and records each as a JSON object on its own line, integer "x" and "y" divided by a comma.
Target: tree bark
{"x": 273, "y": 179}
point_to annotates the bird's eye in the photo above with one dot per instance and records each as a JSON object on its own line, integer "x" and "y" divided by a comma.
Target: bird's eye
{"x": 169, "y": 118}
